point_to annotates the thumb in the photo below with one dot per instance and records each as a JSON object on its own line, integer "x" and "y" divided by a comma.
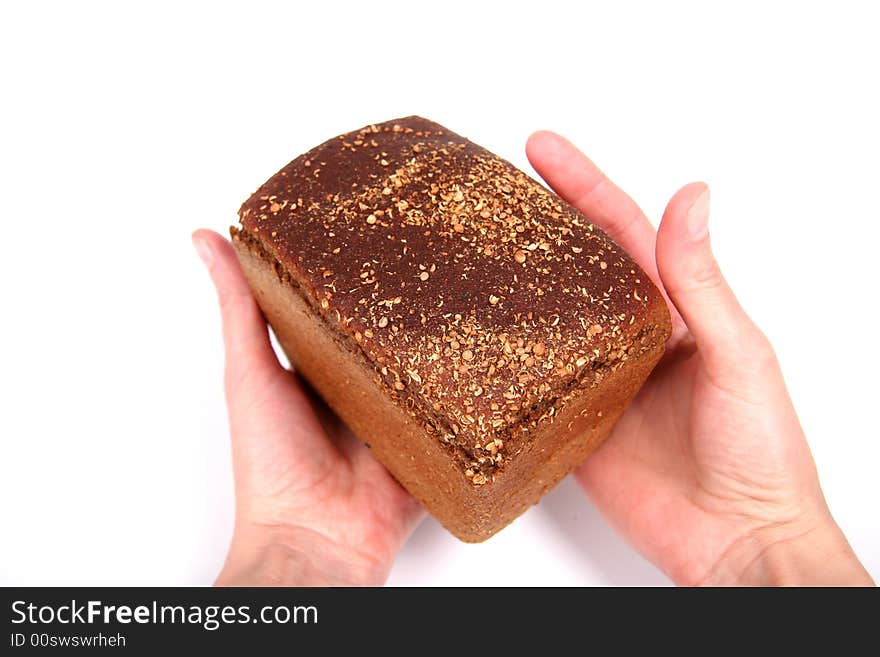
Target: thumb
{"x": 245, "y": 336}
{"x": 269, "y": 443}
{"x": 724, "y": 334}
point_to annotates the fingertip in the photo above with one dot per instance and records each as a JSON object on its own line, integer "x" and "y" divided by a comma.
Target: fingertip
{"x": 548, "y": 151}
{"x": 542, "y": 136}
{"x": 202, "y": 245}
{"x": 213, "y": 245}
{"x": 210, "y": 237}
{"x": 533, "y": 147}
{"x": 697, "y": 187}
{"x": 698, "y": 214}
{"x": 685, "y": 219}
{"x": 544, "y": 143}
{"x": 220, "y": 260}
{"x": 687, "y": 198}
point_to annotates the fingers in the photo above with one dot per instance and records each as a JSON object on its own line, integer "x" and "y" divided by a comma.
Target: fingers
{"x": 576, "y": 179}
{"x": 245, "y": 336}
{"x": 580, "y": 182}
{"x": 723, "y": 332}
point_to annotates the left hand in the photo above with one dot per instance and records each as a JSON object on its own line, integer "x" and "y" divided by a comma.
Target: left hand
{"x": 313, "y": 507}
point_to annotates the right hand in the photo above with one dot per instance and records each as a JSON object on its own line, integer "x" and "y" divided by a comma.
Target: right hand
{"x": 708, "y": 473}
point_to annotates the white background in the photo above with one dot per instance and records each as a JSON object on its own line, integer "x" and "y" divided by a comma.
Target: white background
{"x": 122, "y": 129}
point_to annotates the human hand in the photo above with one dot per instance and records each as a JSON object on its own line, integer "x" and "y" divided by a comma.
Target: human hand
{"x": 313, "y": 507}
{"x": 708, "y": 473}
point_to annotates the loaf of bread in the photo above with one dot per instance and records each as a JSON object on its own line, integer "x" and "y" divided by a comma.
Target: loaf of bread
{"x": 477, "y": 332}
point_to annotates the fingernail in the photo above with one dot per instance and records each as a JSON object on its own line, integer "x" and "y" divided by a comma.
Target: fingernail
{"x": 204, "y": 251}
{"x": 698, "y": 216}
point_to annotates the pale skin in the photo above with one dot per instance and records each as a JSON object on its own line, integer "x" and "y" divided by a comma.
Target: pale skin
{"x": 708, "y": 474}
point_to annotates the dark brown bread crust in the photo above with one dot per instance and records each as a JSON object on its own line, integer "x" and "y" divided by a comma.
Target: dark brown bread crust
{"x": 481, "y": 299}
{"x": 479, "y": 304}
{"x": 419, "y": 461}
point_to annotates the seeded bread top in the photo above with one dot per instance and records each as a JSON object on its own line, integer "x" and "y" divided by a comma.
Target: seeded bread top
{"x": 479, "y": 297}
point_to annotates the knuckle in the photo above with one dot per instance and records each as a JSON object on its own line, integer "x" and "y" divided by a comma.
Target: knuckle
{"x": 761, "y": 350}
{"x": 625, "y": 223}
{"x": 706, "y": 274}
{"x": 751, "y": 352}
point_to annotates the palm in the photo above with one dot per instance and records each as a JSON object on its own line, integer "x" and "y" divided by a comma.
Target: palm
{"x": 314, "y": 482}
{"x": 674, "y": 460}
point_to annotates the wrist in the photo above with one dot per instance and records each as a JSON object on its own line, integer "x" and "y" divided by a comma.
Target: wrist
{"x": 814, "y": 553}
{"x": 268, "y": 565}
{"x": 295, "y": 557}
